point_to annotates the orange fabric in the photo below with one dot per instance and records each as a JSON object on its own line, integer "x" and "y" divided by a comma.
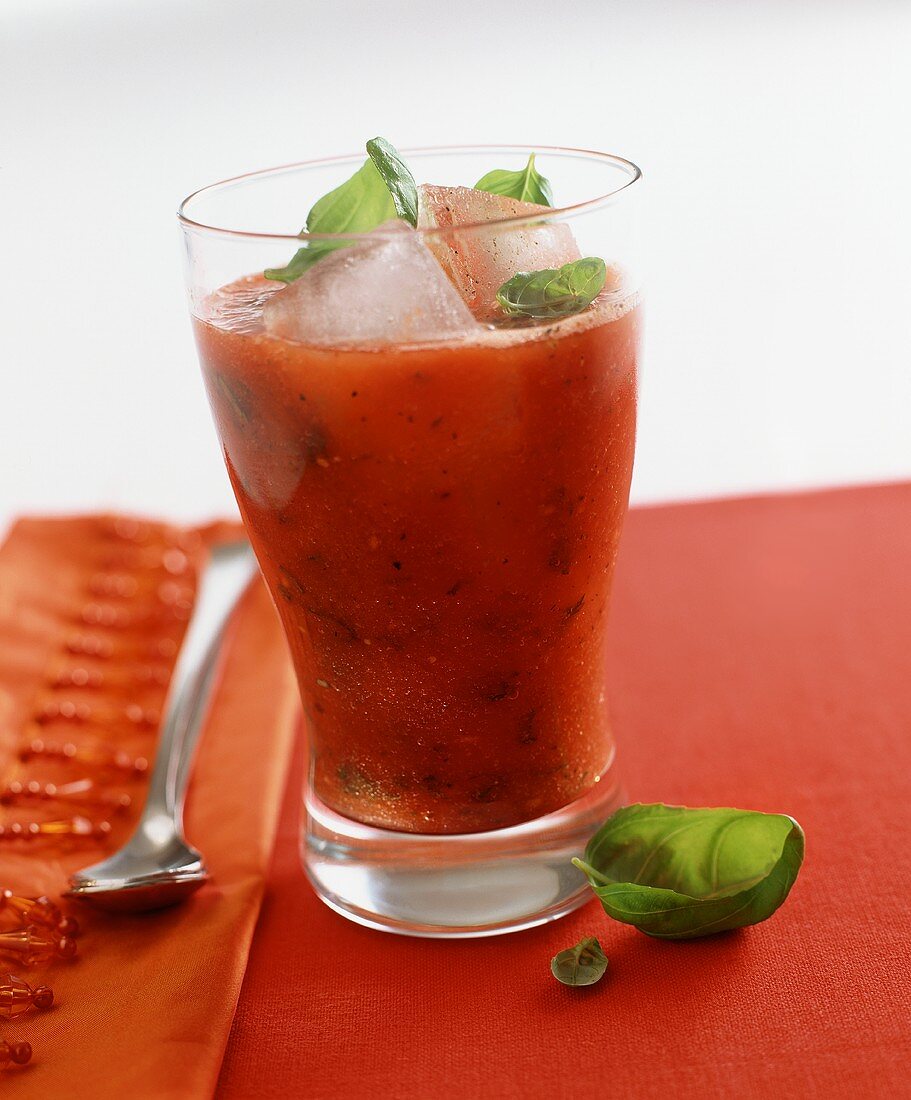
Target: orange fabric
{"x": 761, "y": 658}
{"x": 144, "y": 1010}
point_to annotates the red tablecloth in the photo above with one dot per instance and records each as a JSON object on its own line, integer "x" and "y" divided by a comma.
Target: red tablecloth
{"x": 761, "y": 657}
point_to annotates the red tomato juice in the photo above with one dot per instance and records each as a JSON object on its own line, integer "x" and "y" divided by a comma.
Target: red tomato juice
{"x": 438, "y": 526}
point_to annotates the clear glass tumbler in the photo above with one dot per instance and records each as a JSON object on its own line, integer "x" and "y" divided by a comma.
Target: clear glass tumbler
{"x": 435, "y": 490}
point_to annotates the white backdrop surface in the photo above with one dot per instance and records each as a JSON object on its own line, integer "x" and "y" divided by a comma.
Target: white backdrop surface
{"x": 773, "y": 135}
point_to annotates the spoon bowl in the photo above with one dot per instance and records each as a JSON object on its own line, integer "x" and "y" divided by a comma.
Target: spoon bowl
{"x": 136, "y": 881}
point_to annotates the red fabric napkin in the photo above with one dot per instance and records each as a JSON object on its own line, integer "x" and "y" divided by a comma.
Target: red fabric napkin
{"x": 145, "y": 1008}
{"x": 761, "y": 658}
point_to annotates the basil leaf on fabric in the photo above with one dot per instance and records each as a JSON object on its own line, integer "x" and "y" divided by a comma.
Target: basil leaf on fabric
{"x": 358, "y": 205}
{"x": 553, "y": 292}
{"x": 678, "y": 873}
{"x": 527, "y": 185}
{"x": 583, "y": 964}
{"x": 397, "y": 177}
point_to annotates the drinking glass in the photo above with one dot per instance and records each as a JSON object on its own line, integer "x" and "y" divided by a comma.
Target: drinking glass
{"x": 436, "y": 513}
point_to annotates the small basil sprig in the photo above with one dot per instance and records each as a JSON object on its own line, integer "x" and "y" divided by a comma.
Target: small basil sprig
{"x": 527, "y": 184}
{"x": 677, "y": 873}
{"x": 397, "y": 177}
{"x": 583, "y": 964}
{"x": 360, "y": 204}
{"x": 554, "y": 293}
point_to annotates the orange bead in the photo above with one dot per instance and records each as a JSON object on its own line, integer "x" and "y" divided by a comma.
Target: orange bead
{"x": 68, "y": 926}
{"x": 17, "y": 996}
{"x": 35, "y": 944}
{"x": 66, "y": 947}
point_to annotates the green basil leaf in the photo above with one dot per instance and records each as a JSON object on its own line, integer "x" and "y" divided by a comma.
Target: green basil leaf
{"x": 583, "y": 964}
{"x": 397, "y": 177}
{"x": 302, "y": 260}
{"x": 677, "y": 873}
{"x": 358, "y": 205}
{"x": 527, "y": 184}
{"x": 553, "y": 292}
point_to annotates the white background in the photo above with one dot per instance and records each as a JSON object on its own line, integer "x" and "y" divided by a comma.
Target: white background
{"x": 774, "y": 137}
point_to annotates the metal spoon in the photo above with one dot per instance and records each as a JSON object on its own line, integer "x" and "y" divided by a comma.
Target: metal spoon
{"x": 156, "y": 867}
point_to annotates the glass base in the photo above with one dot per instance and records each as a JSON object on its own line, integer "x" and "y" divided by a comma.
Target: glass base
{"x": 456, "y": 886}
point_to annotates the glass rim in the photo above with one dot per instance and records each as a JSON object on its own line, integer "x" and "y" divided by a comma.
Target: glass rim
{"x": 515, "y": 220}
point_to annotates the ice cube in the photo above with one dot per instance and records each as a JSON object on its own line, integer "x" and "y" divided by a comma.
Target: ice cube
{"x": 386, "y": 290}
{"x": 479, "y": 261}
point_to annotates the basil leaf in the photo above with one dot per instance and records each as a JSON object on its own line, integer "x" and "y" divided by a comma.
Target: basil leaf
{"x": 678, "y": 873}
{"x": 238, "y": 397}
{"x": 397, "y": 177}
{"x": 583, "y": 964}
{"x": 527, "y": 185}
{"x": 556, "y": 292}
{"x": 302, "y": 260}
{"x": 358, "y": 205}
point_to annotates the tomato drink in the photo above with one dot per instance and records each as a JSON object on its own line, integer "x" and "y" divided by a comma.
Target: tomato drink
{"x": 426, "y": 403}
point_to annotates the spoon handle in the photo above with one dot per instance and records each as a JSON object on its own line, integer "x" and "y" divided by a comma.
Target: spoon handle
{"x": 230, "y": 569}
